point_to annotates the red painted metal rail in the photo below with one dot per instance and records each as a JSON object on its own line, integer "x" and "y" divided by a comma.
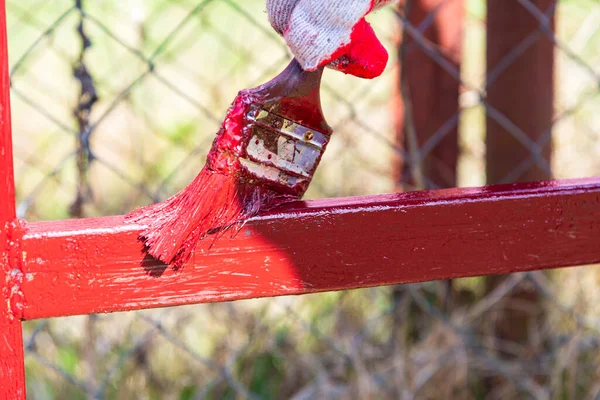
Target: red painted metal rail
{"x": 98, "y": 265}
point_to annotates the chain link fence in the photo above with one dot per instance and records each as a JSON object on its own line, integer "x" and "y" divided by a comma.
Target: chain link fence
{"x": 115, "y": 104}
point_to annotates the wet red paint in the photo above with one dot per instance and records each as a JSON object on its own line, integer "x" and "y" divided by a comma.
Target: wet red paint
{"x": 232, "y": 138}
{"x": 12, "y": 373}
{"x": 98, "y": 265}
{"x": 364, "y": 56}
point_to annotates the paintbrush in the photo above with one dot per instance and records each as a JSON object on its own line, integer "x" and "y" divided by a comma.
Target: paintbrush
{"x": 264, "y": 155}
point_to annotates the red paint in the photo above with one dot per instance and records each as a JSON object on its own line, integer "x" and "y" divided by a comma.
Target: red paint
{"x": 225, "y": 193}
{"x": 364, "y": 56}
{"x": 7, "y": 184}
{"x": 232, "y": 138}
{"x": 98, "y": 265}
{"x": 12, "y": 372}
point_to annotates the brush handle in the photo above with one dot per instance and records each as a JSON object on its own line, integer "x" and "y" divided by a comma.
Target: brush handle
{"x": 293, "y": 94}
{"x": 293, "y": 83}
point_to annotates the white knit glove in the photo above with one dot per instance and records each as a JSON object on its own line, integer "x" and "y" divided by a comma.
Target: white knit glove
{"x": 331, "y": 32}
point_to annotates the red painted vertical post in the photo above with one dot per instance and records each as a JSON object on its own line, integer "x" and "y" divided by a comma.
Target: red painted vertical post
{"x": 433, "y": 94}
{"x": 520, "y": 65}
{"x": 12, "y": 372}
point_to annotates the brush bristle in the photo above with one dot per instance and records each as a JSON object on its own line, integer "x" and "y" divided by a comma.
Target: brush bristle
{"x": 212, "y": 204}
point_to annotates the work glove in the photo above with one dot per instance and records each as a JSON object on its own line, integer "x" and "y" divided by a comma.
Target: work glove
{"x": 331, "y": 32}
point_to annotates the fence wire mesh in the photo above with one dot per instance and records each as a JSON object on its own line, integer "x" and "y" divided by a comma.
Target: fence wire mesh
{"x": 115, "y": 104}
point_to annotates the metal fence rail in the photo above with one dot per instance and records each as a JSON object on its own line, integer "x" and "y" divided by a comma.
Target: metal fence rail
{"x": 114, "y": 105}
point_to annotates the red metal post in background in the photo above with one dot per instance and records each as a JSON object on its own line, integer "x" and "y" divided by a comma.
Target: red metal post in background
{"x": 12, "y": 373}
{"x": 520, "y": 92}
{"x": 427, "y": 119}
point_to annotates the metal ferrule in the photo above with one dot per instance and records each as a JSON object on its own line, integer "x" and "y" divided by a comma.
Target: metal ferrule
{"x": 282, "y": 151}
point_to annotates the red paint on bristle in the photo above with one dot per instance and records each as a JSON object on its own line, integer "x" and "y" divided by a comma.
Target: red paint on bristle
{"x": 219, "y": 198}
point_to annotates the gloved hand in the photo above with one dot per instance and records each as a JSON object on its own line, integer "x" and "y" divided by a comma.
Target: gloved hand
{"x": 331, "y": 32}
